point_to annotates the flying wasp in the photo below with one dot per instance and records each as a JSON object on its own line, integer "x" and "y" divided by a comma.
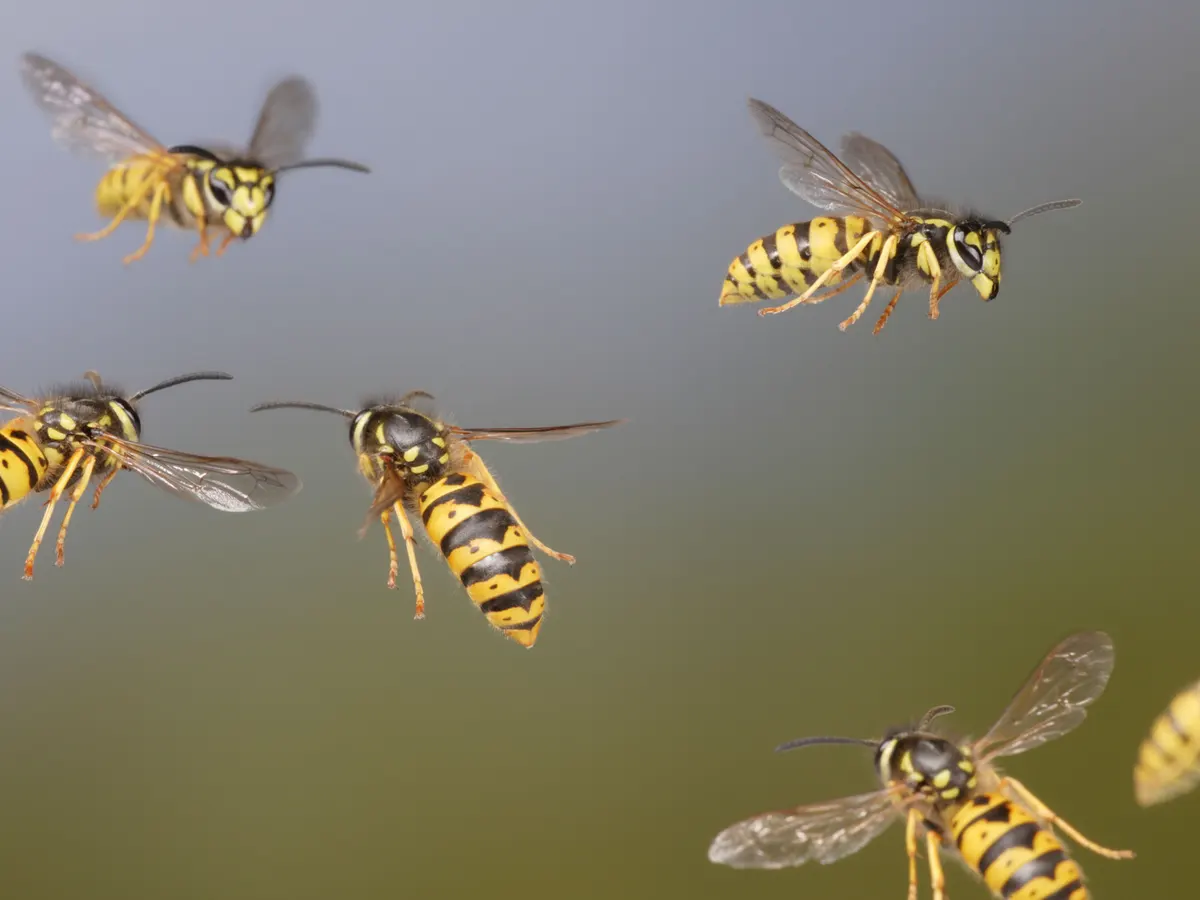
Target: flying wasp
{"x": 91, "y": 430}
{"x": 1168, "y": 762}
{"x": 881, "y": 229}
{"x": 226, "y": 192}
{"x": 420, "y": 465}
{"x": 952, "y": 793}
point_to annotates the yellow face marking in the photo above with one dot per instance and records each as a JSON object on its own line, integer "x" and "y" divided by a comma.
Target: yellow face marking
{"x": 412, "y": 453}
{"x": 127, "y": 428}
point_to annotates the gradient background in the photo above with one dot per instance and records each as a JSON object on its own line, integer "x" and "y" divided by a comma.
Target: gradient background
{"x": 799, "y": 531}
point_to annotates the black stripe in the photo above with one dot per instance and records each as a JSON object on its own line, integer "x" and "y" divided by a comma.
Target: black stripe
{"x": 1065, "y": 892}
{"x": 523, "y": 626}
{"x": 995, "y": 814}
{"x": 744, "y": 259}
{"x": 771, "y": 248}
{"x": 1039, "y": 867}
{"x": 455, "y": 479}
{"x": 7, "y": 446}
{"x": 508, "y": 562}
{"x": 839, "y": 238}
{"x": 522, "y": 597}
{"x": 1184, "y": 737}
{"x": 1017, "y": 836}
{"x": 472, "y": 494}
{"x": 490, "y": 524}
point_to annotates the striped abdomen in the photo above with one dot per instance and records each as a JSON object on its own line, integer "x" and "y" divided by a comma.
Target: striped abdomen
{"x": 1015, "y": 855}
{"x": 787, "y": 262}
{"x": 487, "y": 551}
{"x": 1169, "y": 759}
{"x": 183, "y": 204}
{"x": 22, "y": 463}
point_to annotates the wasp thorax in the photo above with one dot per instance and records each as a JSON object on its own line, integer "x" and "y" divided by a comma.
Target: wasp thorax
{"x": 975, "y": 250}
{"x": 930, "y": 765}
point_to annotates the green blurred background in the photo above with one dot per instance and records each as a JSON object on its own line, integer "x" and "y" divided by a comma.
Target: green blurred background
{"x": 798, "y": 532}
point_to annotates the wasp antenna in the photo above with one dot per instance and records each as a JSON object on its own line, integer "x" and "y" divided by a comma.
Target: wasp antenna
{"x": 810, "y": 741}
{"x": 319, "y": 407}
{"x": 180, "y": 379}
{"x": 325, "y": 164}
{"x": 934, "y": 713}
{"x": 1043, "y": 207}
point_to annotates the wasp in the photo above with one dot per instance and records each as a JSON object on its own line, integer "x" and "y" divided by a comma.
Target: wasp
{"x": 880, "y": 228}
{"x": 952, "y": 793}
{"x": 93, "y": 430}
{"x": 421, "y": 466}
{"x": 1168, "y": 762}
{"x": 214, "y": 192}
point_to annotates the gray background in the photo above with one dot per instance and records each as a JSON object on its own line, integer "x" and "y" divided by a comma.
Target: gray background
{"x": 799, "y": 531}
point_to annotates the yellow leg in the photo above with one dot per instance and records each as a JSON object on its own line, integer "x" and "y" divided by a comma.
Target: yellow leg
{"x": 833, "y": 292}
{"x": 910, "y": 846}
{"x": 138, "y": 196}
{"x": 411, "y": 545}
{"x": 480, "y": 471}
{"x": 229, "y": 239}
{"x": 160, "y": 191}
{"x": 935, "y": 270}
{"x": 885, "y": 256}
{"x": 102, "y": 485}
{"x": 85, "y": 475}
{"x": 887, "y": 312}
{"x": 55, "y": 492}
{"x": 935, "y": 297}
{"x": 835, "y": 269}
{"x": 201, "y": 249}
{"x": 937, "y": 877}
{"x": 1027, "y": 798}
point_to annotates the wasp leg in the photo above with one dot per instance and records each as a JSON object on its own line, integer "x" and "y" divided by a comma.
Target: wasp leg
{"x": 887, "y": 312}
{"x": 833, "y": 292}
{"x": 936, "y": 298}
{"x": 889, "y": 248}
{"x": 201, "y": 249}
{"x": 394, "y": 558}
{"x": 160, "y": 191}
{"x": 480, "y": 471}
{"x": 835, "y": 269}
{"x": 55, "y": 492}
{"x": 85, "y": 475}
{"x": 910, "y": 846}
{"x": 138, "y": 196}
{"x": 925, "y": 253}
{"x": 229, "y": 239}
{"x": 937, "y": 876}
{"x": 102, "y": 485}
{"x": 1042, "y": 811}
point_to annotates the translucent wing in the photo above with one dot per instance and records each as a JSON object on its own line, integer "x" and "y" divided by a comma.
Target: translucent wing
{"x": 222, "y": 482}
{"x": 876, "y": 165}
{"x": 1054, "y": 699}
{"x": 83, "y": 121}
{"x": 285, "y": 124}
{"x": 533, "y": 435}
{"x": 812, "y": 172}
{"x": 823, "y": 832}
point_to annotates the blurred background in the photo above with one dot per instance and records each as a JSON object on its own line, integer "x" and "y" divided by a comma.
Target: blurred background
{"x": 798, "y": 532}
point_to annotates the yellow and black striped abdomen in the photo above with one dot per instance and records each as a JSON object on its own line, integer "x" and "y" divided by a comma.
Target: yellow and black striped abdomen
{"x": 486, "y": 549}
{"x": 787, "y": 262}
{"x": 1168, "y": 761}
{"x": 1017, "y": 858}
{"x": 22, "y": 463}
{"x": 182, "y": 205}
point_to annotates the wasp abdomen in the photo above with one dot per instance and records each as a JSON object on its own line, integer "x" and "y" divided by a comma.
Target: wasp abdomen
{"x": 22, "y": 462}
{"x": 1013, "y": 853}
{"x": 787, "y": 262}
{"x": 485, "y": 547}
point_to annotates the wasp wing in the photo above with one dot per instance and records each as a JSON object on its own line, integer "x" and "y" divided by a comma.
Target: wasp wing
{"x": 532, "y": 435}
{"x": 876, "y": 165}
{"x": 811, "y": 171}
{"x": 823, "y": 832}
{"x": 285, "y": 125}
{"x": 1055, "y": 697}
{"x": 83, "y": 120}
{"x": 222, "y": 482}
